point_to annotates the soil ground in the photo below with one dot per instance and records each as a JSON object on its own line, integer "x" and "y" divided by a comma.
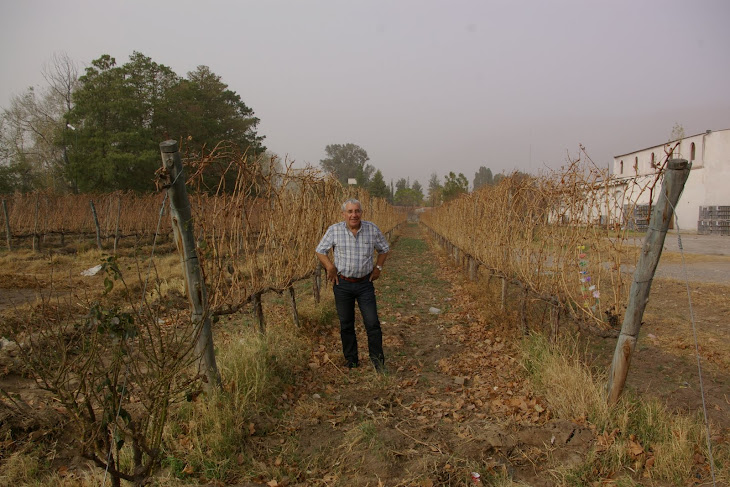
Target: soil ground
{"x": 455, "y": 400}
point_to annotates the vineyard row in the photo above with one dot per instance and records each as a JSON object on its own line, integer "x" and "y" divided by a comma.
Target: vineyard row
{"x": 545, "y": 234}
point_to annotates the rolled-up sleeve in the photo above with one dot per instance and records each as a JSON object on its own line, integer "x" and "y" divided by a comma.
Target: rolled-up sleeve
{"x": 381, "y": 244}
{"x": 326, "y": 243}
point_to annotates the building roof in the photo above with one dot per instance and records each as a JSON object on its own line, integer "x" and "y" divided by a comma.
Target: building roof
{"x": 669, "y": 142}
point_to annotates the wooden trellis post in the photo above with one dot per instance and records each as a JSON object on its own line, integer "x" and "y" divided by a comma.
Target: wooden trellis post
{"x": 119, "y": 216}
{"x": 36, "y": 235}
{"x": 504, "y": 293}
{"x": 259, "y": 311}
{"x": 473, "y": 269}
{"x": 7, "y": 225}
{"x": 554, "y": 323}
{"x": 672, "y": 185}
{"x": 523, "y": 311}
{"x": 96, "y": 224}
{"x": 293, "y": 303}
{"x": 317, "y": 282}
{"x": 182, "y": 227}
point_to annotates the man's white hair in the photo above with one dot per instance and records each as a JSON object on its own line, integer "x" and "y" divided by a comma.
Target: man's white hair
{"x": 351, "y": 201}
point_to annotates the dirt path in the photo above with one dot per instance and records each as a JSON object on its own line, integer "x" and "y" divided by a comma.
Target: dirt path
{"x": 452, "y": 403}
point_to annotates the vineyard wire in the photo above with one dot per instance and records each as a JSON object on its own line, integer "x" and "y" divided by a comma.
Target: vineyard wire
{"x": 697, "y": 349}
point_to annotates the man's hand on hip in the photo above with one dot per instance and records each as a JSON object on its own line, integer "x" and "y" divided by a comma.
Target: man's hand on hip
{"x": 375, "y": 274}
{"x": 332, "y": 275}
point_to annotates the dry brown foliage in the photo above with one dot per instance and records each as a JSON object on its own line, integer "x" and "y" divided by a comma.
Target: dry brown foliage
{"x": 44, "y": 213}
{"x": 562, "y": 236}
{"x": 259, "y": 233}
{"x": 256, "y": 224}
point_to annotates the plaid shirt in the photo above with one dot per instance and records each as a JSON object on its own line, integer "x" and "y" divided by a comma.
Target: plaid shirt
{"x": 353, "y": 254}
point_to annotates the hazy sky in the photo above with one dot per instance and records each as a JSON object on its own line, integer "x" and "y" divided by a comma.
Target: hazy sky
{"x": 423, "y": 86}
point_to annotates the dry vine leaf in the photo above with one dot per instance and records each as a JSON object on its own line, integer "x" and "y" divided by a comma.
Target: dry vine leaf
{"x": 635, "y": 448}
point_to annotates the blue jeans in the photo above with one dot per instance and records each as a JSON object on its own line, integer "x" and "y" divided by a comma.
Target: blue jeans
{"x": 346, "y": 293}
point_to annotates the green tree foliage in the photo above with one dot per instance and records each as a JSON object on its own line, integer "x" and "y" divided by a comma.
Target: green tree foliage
{"x": 408, "y": 196}
{"x": 203, "y": 108}
{"x": 482, "y": 177}
{"x": 418, "y": 189}
{"x": 434, "y": 190}
{"x": 454, "y": 186}
{"x": 122, "y": 113}
{"x": 377, "y": 186}
{"x": 347, "y": 161}
{"x": 115, "y": 139}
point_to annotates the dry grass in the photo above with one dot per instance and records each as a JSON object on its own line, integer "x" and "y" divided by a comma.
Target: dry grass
{"x": 676, "y": 258}
{"x": 209, "y": 435}
{"x": 574, "y": 391}
{"x": 636, "y": 435}
{"x": 30, "y": 469}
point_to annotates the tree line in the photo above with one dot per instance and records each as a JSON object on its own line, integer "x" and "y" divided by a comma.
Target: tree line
{"x": 349, "y": 164}
{"x": 100, "y": 131}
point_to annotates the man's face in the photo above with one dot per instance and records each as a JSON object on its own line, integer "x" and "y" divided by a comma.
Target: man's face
{"x": 352, "y": 215}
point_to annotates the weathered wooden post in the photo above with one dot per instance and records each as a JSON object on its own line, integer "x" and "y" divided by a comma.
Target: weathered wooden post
{"x": 504, "y": 294}
{"x": 96, "y": 224}
{"x": 523, "y": 311}
{"x": 36, "y": 235}
{"x": 258, "y": 309}
{"x": 473, "y": 269}
{"x": 60, "y": 209}
{"x": 674, "y": 178}
{"x": 182, "y": 227}
{"x": 7, "y": 225}
{"x": 555, "y": 323}
{"x": 317, "y": 282}
{"x": 119, "y": 216}
{"x": 293, "y": 303}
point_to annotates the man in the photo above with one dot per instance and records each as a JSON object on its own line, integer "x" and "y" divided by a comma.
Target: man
{"x": 352, "y": 277}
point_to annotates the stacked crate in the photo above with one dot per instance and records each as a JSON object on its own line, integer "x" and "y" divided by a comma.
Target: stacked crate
{"x": 714, "y": 220}
{"x": 638, "y": 219}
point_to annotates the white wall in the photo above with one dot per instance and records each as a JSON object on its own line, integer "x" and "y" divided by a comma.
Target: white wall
{"x": 709, "y": 180}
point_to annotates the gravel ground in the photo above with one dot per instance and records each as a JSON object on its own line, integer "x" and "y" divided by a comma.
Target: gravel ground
{"x": 717, "y": 271}
{"x": 699, "y": 244}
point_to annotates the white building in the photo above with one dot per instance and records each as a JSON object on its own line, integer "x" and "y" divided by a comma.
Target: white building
{"x": 708, "y": 183}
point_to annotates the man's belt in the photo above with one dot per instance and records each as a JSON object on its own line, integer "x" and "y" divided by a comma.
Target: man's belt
{"x": 354, "y": 279}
